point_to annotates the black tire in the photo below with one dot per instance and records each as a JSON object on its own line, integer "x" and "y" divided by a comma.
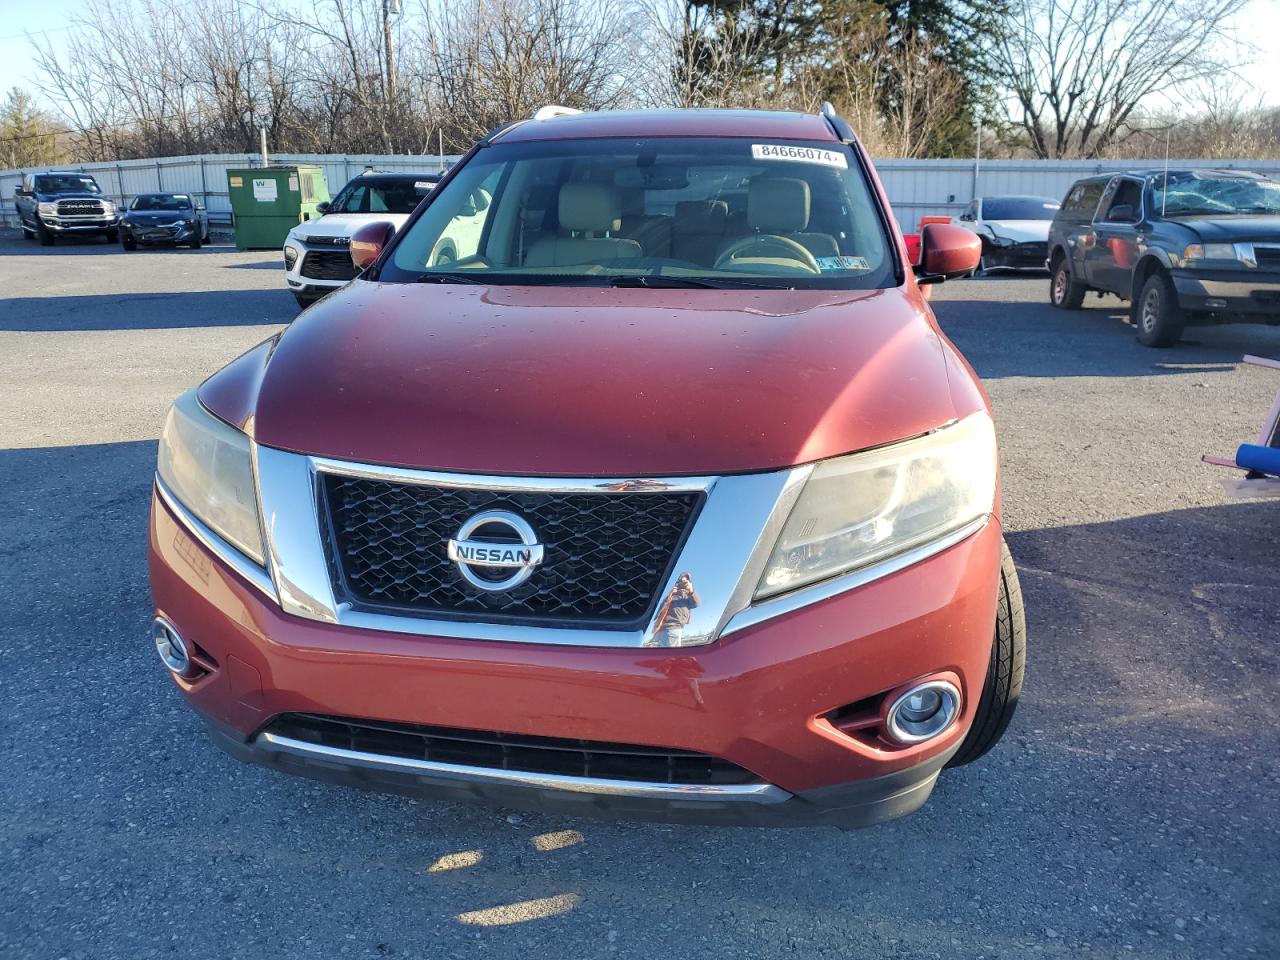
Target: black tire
{"x": 128, "y": 242}
{"x": 43, "y": 235}
{"x": 195, "y": 244}
{"x": 304, "y": 301}
{"x": 28, "y": 233}
{"x": 1003, "y": 684}
{"x": 1064, "y": 292}
{"x": 1156, "y": 314}
{"x": 113, "y": 236}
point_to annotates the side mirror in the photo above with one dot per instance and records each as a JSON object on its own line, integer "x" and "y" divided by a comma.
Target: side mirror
{"x": 1124, "y": 213}
{"x": 322, "y": 207}
{"x": 947, "y": 252}
{"x": 369, "y": 241}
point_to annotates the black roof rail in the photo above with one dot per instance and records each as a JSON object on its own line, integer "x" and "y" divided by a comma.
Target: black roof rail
{"x": 839, "y": 126}
{"x": 498, "y": 131}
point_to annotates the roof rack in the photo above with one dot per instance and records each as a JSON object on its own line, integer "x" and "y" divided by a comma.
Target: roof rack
{"x": 554, "y": 110}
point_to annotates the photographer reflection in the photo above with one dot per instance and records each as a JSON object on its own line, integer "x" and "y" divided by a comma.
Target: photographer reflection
{"x": 677, "y": 611}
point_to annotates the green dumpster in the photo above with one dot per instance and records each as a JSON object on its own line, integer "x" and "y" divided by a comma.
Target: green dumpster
{"x": 268, "y": 202}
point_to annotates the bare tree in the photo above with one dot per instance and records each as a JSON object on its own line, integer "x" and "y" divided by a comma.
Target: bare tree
{"x": 1076, "y": 71}
{"x": 497, "y": 60}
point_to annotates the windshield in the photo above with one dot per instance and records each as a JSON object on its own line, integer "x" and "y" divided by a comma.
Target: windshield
{"x": 1018, "y": 208}
{"x": 1189, "y": 194}
{"x": 66, "y": 183}
{"x": 652, "y": 212}
{"x": 381, "y": 195}
{"x": 160, "y": 201}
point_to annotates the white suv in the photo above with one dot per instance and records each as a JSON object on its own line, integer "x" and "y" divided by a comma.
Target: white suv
{"x": 316, "y": 260}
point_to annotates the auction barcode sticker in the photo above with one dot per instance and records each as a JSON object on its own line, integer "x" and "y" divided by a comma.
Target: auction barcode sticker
{"x": 783, "y": 151}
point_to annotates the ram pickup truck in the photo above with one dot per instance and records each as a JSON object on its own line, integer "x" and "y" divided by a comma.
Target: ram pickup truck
{"x": 56, "y": 204}
{"x": 1182, "y": 246}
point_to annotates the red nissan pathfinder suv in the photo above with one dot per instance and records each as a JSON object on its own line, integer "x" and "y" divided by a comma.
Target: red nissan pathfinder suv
{"x": 632, "y": 475}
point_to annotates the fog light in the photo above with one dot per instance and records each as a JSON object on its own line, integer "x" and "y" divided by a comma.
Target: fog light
{"x": 923, "y": 712}
{"x": 170, "y": 646}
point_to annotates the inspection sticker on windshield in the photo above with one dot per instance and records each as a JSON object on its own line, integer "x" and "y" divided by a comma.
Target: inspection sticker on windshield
{"x": 843, "y": 263}
{"x": 783, "y": 151}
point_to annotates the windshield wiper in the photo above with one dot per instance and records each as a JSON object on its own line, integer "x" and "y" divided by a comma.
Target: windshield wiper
{"x": 659, "y": 282}
{"x": 448, "y": 278}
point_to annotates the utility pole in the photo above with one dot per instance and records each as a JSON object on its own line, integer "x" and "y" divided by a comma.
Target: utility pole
{"x": 262, "y": 133}
{"x": 390, "y": 8}
{"x": 977, "y": 152}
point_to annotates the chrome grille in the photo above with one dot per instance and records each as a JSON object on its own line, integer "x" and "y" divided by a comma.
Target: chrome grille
{"x": 1267, "y": 257}
{"x": 80, "y": 208}
{"x": 606, "y": 554}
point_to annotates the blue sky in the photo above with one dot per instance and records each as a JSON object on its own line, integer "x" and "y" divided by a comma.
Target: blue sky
{"x": 49, "y": 18}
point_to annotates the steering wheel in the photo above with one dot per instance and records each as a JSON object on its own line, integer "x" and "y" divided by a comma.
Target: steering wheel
{"x": 768, "y": 241}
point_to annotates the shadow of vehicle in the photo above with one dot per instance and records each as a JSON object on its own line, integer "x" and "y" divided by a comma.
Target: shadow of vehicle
{"x": 1018, "y": 337}
{"x": 147, "y": 311}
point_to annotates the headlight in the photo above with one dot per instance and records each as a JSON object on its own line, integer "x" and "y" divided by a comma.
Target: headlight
{"x": 290, "y": 256}
{"x": 1197, "y": 253}
{"x": 48, "y": 209}
{"x": 207, "y": 466}
{"x": 996, "y": 241}
{"x": 868, "y": 507}
{"x": 108, "y": 208}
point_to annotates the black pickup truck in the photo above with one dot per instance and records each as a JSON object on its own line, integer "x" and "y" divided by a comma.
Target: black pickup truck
{"x": 1183, "y": 247}
{"x": 57, "y": 204}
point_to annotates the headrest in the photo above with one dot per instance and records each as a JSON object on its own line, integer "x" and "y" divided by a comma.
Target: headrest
{"x": 778, "y": 205}
{"x": 589, "y": 207}
{"x": 701, "y": 216}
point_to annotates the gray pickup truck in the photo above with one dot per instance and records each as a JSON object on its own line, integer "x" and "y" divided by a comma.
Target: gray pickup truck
{"x": 1182, "y": 246}
{"x": 57, "y": 204}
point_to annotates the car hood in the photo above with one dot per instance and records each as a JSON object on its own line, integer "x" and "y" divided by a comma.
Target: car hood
{"x": 159, "y": 216}
{"x": 1020, "y": 231}
{"x": 591, "y": 381}
{"x": 344, "y": 224}
{"x": 1221, "y": 229}
{"x": 79, "y": 195}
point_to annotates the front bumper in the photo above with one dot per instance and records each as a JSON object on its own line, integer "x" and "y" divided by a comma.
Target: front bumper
{"x": 1018, "y": 256}
{"x": 758, "y": 698}
{"x": 310, "y": 274}
{"x": 145, "y": 234}
{"x": 80, "y": 224}
{"x": 1256, "y": 297}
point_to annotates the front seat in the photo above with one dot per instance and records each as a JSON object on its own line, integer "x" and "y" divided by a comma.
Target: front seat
{"x": 590, "y": 212}
{"x": 780, "y": 206}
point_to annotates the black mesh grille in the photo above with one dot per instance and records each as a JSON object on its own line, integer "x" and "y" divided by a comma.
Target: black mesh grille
{"x": 328, "y": 265}
{"x": 475, "y": 748}
{"x": 79, "y": 207}
{"x": 606, "y": 555}
{"x": 1268, "y": 257}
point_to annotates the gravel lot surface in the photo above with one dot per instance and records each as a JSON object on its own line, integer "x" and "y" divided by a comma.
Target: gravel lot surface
{"x": 1132, "y": 811}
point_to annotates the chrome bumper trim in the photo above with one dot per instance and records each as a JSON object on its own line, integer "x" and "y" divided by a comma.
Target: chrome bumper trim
{"x": 215, "y": 544}
{"x": 758, "y": 793}
{"x": 724, "y": 554}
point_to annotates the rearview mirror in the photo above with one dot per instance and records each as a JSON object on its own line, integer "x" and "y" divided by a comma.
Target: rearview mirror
{"x": 369, "y": 241}
{"x": 947, "y": 252}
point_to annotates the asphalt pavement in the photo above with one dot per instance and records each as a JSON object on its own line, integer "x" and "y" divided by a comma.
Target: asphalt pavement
{"x": 1133, "y": 810}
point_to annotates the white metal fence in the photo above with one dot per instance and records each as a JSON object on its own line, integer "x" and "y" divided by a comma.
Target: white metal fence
{"x": 206, "y": 176}
{"x": 916, "y": 187}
